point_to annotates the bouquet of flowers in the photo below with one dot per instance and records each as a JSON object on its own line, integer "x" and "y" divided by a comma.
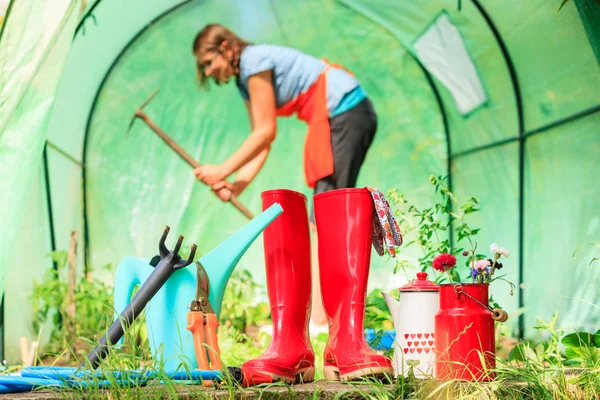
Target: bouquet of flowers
{"x": 482, "y": 270}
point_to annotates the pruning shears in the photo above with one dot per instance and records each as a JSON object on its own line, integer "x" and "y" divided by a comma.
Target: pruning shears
{"x": 203, "y": 323}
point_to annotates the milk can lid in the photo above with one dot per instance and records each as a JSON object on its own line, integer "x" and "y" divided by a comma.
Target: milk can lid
{"x": 421, "y": 284}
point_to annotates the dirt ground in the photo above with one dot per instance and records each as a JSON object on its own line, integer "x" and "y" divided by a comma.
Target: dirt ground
{"x": 321, "y": 390}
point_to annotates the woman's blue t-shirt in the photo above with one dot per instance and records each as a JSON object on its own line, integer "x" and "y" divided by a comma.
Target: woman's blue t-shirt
{"x": 294, "y": 72}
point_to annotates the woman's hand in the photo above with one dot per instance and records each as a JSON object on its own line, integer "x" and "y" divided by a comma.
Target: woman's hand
{"x": 210, "y": 174}
{"x": 224, "y": 190}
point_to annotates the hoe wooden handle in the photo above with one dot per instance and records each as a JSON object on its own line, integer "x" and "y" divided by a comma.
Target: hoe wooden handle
{"x": 187, "y": 158}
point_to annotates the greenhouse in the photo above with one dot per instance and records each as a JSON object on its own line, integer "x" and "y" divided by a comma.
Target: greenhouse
{"x": 496, "y": 103}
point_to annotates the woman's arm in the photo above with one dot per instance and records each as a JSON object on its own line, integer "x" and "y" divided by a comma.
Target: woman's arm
{"x": 247, "y": 172}
{"x": 263, "y": 119}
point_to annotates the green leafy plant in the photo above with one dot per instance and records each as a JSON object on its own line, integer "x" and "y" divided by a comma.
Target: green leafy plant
{"x": 377, "y": 315}
{"x": 236, "y": 347}
{"x": 431, "y": 225}
{"x": 93, "y": 299}
{"x": 545, "y": 353}
{"x": 378, "y": 318}
{"x": 582, "y": 348}
{"x": 240, "y": 306}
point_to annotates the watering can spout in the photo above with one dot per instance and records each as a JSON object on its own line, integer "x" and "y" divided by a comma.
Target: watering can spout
{"x": 394, "y": 307}
{"x": 222, "y": 260}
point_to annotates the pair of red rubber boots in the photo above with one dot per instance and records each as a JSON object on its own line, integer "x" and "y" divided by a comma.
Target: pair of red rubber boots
{"x": 344, "y": 220}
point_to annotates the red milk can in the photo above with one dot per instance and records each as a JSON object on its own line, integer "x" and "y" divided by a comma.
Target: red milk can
{"x": 464, "y": 333}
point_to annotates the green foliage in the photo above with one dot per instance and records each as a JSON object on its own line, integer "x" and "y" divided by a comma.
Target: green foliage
{"x": 93, "y": 301}
{"x": 431, "y": 225}
{"x": 377, "y": 315}
{"x": 240, "y": 306}
{"x": 581, "y": 339}
{"x": 237, "y": 348}
{"x": 580, "y": 349}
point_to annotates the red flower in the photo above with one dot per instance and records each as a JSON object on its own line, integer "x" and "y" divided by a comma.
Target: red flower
{"x": 444, "y": 262}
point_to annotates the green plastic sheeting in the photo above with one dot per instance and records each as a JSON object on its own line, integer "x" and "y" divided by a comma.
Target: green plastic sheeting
{"x": 34, "y": 45}
{"x": 563, "y": 221}
{"x": 531, "y": 163}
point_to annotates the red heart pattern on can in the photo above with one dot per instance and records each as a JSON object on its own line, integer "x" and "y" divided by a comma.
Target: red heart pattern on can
{"x": 418, "y": 345}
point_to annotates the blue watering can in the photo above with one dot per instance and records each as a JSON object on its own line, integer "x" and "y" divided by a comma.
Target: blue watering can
{"x": 166, "y": 313}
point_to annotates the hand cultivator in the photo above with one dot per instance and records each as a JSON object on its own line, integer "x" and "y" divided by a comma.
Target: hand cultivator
{"x": 168, "y": 263}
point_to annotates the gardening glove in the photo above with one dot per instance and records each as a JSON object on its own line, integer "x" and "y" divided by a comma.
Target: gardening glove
{"x": 386, "y": 231}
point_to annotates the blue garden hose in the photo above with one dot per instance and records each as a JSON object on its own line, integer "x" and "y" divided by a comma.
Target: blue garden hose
{"x": 69, "y": 373}
{"x": 15, "y": 384}
{"x": 43, "y": 377}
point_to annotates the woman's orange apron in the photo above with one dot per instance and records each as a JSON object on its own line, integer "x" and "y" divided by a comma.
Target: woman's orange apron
{"x": 311, "y": 107}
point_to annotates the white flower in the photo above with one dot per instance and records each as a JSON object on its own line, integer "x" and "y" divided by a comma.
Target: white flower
{"x": 494, "y": 248}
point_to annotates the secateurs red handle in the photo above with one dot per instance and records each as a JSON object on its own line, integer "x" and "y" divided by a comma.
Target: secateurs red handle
{"x": 206, "y": 345}
{"x": 203, "y": 323}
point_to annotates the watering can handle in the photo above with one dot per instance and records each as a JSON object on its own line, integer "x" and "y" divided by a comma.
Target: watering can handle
{"x": 497, "y": 313}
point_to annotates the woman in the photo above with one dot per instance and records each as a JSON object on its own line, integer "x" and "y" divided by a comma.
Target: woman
{"x": 279, "y": 81}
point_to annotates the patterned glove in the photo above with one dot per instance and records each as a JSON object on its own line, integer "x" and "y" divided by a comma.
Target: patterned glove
{"x": 386, "y": 231}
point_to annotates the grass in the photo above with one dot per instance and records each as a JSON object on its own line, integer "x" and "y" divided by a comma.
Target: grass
{"x": 532, "y": 378}
{"x": 526, "y": 371}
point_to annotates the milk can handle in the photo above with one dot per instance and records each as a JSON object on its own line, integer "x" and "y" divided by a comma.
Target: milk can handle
{"x": 497, "y": 313}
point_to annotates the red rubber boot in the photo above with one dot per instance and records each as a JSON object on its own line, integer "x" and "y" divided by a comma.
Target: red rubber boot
{"x": 344, "y": 220}
{"x": 290, "y": 357}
